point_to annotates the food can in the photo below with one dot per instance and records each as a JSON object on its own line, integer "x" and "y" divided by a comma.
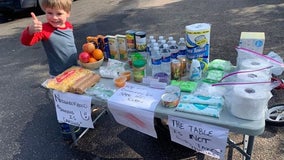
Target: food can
{"x": 175, "y": 69}
{"x": 130, "y": 39}
{"x": 184, "y": 64}
{"x": 140, "y": 41}
{"x": 173, "y": 89}
{"x": 170, "y": 100}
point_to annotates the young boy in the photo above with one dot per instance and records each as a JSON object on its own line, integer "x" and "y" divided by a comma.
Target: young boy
{"x": 57, "y": 39}
{"x": 56, "y": 35}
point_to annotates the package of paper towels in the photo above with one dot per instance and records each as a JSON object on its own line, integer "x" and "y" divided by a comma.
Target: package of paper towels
{"x": 253, "y": 63}
{"x": 253, "y": 77}
{"x": 248, "y": 102}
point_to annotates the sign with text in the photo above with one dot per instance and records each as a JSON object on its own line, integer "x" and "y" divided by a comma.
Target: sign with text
{"x": 207, "y": 139}
{"x": 133, "y": 106}
{"x": 73, "y": 109}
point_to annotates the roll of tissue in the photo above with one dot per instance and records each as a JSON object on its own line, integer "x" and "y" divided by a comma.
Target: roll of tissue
{"x": 250, "y": 64}
{"x": 247, "y": 102}
{"x": 253, "y": 77}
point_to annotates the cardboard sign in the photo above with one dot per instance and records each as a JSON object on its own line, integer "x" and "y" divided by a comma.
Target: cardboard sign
{"x": 207, "y": 139}
{"x": 73, "y": 109}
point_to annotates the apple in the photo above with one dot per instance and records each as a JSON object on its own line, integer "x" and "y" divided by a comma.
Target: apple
{"x": 84, "y": 57}
{"x": 88, "y": 47}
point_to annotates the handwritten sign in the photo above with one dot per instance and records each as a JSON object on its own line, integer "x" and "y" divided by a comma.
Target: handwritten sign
{"x": 73, "y": 109}
{"x": 138, "y": 96}
{"x": 207, "y": 139}
{"x": 133, "y": 106}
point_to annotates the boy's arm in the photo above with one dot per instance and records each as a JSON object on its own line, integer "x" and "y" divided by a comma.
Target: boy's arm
{"x": 31, "y": 34}
{"x": 28, "y": 39}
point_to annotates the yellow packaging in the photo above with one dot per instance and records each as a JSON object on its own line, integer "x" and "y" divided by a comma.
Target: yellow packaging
{"x": 253, "y": 41}
{"x": 113, "y": 47}
{"x": 122, "y": 46}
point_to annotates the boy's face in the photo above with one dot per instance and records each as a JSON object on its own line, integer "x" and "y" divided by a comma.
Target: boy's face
{"x": 56, "y": 17}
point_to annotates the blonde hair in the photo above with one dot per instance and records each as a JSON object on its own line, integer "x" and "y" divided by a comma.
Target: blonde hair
{"x": 56, "y": 4}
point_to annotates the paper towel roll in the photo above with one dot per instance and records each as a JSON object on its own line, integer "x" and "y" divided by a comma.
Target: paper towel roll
{"x": 252, "y": 64}
{"x": 253, "y": 77}
{"x": 248, "y": 102}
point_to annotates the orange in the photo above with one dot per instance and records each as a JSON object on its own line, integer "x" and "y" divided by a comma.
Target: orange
{"x": 88, "y": 47}
{"x": 92, "y": 59}
{"x": 98, "y": 54}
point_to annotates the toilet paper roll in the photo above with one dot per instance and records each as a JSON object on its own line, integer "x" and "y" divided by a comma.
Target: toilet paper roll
{"x": 253, "y": 77}
{"x": 247, "y": 64}
{"x": 248, "y": 102}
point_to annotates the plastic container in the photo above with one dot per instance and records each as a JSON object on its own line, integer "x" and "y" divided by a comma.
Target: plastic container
{"x": 139, "y": 70}
{"x": 195, "y": 71}
{"x": 120, "y": 81}
{"x": 127, "y": 74}
{"x": 166, "y": 60}
{"x": 156, "y": 60}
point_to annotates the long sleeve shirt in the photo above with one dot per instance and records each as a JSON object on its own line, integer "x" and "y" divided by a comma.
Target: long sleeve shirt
{"x": 58, "y": 44}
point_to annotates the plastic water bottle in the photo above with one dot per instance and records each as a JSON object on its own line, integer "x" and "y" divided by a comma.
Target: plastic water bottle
{"x": 161, "y": 44}
{"x": 182, "y": 46}
{"x": 149, "y": 41}
{"x": 170, "y": 39}
{"x": 156, "y": 60}
{"x": 195, "y": 71}
{"x": 166, "y": 59}
{"x": 174, "y": 49}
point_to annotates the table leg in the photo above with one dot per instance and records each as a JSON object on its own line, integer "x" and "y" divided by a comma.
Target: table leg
{"x": 250, "y": 147}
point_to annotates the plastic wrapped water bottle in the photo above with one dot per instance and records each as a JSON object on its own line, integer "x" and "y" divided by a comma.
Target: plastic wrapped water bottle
{"x": 174, "y": 49}
{"x": 182, "y": 46}
{"x": 166, "y": 59}
{"x": 156, "y": 60}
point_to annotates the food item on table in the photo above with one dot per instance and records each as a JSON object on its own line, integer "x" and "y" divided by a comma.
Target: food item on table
{"x": 66, "y": 79}
{"x": 88, "y": 47}
{"x": 127, "y": 74}
{"x": 119, "y": 81}
{"x": 79, "y": 82}
{"x": 98, "y": 54}
{"x": 95, "y": 78}
{"x": 84, "y": 57}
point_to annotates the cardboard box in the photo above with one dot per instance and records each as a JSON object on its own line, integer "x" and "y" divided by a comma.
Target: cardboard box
{"x": 252, "y": 41}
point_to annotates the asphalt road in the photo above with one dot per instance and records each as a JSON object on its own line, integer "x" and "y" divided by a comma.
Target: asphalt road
{"x": 28, "y": 124}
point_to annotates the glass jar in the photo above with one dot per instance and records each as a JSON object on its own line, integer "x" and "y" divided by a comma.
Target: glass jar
{"x": 139, "y": 66}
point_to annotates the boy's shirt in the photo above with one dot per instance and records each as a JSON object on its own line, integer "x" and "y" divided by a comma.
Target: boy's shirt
{"x": 58, "y": 44}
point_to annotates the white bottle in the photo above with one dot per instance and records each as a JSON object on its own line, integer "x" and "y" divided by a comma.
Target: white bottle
{"x": 166, "y": 59}
{"x": 195, "y": 71}
{"x": 182, "y": 46}
{"x": 156, "y": 60}
{"x": 170, "y": 39}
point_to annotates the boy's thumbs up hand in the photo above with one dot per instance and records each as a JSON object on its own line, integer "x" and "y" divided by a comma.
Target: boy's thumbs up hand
{"x": 36, "y": 26}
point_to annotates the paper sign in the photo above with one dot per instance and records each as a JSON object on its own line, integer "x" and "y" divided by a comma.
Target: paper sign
{"x": 73, "y": 109}
{"x": 207, "y": 139}
{"x": 133, "y": 106}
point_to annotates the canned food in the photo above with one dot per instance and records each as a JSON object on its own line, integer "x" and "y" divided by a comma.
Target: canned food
{"x": 183, "y": 68}
{"x": 175, "y": 69}
{"x": 170, "y": 100}
{"x": 140, "y": 41}
{"x": 173, "y": 89}
{"x": 130, "y": 39}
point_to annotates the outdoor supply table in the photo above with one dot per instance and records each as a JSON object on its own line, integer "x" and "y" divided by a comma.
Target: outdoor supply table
{"x": 249, "y": 129}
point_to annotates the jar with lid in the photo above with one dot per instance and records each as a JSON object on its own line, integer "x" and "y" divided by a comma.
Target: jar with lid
{"x": 139, "y": 66}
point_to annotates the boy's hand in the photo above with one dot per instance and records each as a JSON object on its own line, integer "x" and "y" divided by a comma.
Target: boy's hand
{"x": 36, "y": 26}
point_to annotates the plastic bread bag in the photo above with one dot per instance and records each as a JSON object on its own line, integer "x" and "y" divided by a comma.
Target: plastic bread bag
{"x": 248, "y": 59}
